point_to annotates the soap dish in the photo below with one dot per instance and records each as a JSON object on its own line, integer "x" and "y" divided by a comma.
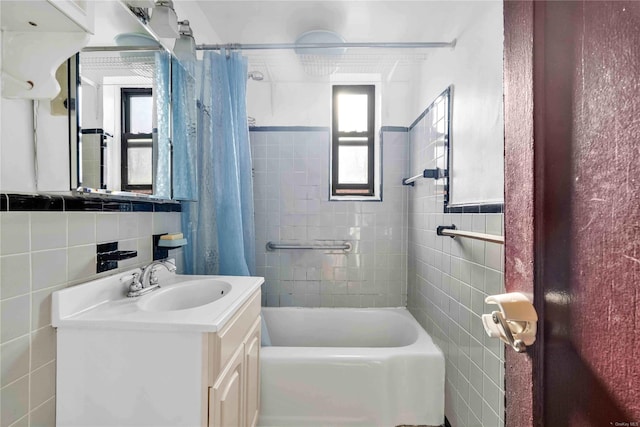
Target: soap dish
{"x": 172, "y": 243}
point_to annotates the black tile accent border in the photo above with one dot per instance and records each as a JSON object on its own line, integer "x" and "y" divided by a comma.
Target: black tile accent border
{"x": 167, "y": 207}
{"x": 34, "y": 202}
{"x": 46, "y": 202}
{"x": 482, "y": 209}
{"x": 141, "y": 207}
{"x": 116, "y": 206}
{"x": 289, "y": 129}
{"x": 81, "y": 204}
{"x": 394, "y": 129}
{"x": 92, "y": 131}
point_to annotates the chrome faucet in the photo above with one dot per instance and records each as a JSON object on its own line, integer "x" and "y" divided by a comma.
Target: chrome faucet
{"x": 146, "y": 281}
{"x": 148, "y": 275}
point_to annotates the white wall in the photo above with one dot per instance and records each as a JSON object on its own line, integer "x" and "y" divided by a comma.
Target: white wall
{"x": 289, "y": 103}
{"x": 52, "y": 150}
{"x": 202, "y": 29}
{"x": 16, "y": 149}
{"x": 474, "y": 68}
{"x": 0, "y": 112}
{"x": 17, "y": 153}
{"x": 309, "y": 103}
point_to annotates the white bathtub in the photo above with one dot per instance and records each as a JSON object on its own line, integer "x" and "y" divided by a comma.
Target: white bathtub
{"x": 349, "y": 367}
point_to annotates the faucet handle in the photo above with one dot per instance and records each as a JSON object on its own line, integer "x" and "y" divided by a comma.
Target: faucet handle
{"x": 134, "y": 277}
{"x": 135, "y": 284}
{"x": 153, "y": 279}
{"x": 170, "y": 265}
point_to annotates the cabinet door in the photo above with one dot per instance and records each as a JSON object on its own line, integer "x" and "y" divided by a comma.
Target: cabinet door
{"x": 226, "y": 399}
{"x": 252, "y": 371}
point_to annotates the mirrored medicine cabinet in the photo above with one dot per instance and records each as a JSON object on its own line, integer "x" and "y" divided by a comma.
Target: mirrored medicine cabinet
{"x": 121, "y": 122}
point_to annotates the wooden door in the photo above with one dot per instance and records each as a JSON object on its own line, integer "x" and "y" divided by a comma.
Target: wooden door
{"x": 226, "y": 398}
{"x": 572, "y": 209}
{"x": 252, "y": 375}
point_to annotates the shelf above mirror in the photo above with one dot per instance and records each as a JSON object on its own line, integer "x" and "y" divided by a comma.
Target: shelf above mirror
{"x": 37, "y": 37}
{"x": 114, "y": 18}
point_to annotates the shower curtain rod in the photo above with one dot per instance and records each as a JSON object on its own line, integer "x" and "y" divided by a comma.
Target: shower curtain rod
{"x": 121, "y": 48}
{"x": 272, "y": 46}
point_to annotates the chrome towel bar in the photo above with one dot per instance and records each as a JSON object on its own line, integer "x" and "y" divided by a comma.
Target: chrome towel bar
{"x": 451, "y": 231}
{"x": 272, "y": 246}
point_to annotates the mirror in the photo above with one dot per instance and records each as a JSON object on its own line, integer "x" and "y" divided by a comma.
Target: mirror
{"x": 123, "y": 121}
{"x": 122, "y": 140}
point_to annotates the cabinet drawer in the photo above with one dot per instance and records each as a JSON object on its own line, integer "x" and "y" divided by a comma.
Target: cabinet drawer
{"x": 224, "y": 344}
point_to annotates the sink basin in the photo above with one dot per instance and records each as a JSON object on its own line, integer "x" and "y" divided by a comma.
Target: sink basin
{"x": 190, "y": 294}
{"x": 202, "y": 303}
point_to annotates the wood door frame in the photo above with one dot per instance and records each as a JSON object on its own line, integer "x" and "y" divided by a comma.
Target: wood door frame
{"x": 537, "y": 101}
{"x": 519, "y": 208}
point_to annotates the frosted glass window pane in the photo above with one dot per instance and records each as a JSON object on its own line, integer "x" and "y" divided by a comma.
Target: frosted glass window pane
{"x": 353, "y": 165}
{"x": 140, "y": 112}
{"x": 139, "y": 167}
{"x": 352, "y": 112}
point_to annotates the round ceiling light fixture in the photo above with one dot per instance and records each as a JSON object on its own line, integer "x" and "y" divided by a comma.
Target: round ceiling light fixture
{"x": 315, "y": 39}
{"x": 316, "y": 59}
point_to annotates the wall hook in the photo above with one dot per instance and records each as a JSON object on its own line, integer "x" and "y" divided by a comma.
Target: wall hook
{"x": 515, "y": 323}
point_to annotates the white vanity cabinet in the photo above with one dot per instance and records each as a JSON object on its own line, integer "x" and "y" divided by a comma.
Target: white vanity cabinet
{"x": 122, "y": 366}
{"x": 234, "y": 391}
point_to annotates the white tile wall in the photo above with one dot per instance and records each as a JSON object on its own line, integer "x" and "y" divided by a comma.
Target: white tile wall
{"x": 91, "y": 147}
{"x": 448, "y": 280}
{"x": 41, "y": 252}
{"x": 291, "y": 192}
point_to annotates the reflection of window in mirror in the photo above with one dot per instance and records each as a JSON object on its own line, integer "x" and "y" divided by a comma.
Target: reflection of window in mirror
{"x": 137, "y": 141}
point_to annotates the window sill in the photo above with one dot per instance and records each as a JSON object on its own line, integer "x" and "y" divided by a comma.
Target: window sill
{"x": 376, "y": 198}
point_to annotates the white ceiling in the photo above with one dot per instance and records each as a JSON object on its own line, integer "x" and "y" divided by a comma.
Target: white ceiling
{"x": 267, "y": 21}
{"x": 248, "y": 22}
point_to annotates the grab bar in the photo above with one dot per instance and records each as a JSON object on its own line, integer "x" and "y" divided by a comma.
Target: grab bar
{"x": 272, "y": 246}
{"x": 451, "y": 231}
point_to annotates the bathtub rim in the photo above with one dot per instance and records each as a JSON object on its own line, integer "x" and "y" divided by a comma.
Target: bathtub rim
{"x": 423, "y": 344}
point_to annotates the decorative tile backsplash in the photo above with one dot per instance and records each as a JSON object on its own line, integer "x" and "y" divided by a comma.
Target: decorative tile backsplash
{"x": 448, "y": 280}
{"x": 291, "y": 192}
{"x": 41, "y": 252}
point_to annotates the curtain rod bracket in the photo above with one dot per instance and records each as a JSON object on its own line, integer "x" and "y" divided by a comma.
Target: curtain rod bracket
{"x": 445, "y": 227}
